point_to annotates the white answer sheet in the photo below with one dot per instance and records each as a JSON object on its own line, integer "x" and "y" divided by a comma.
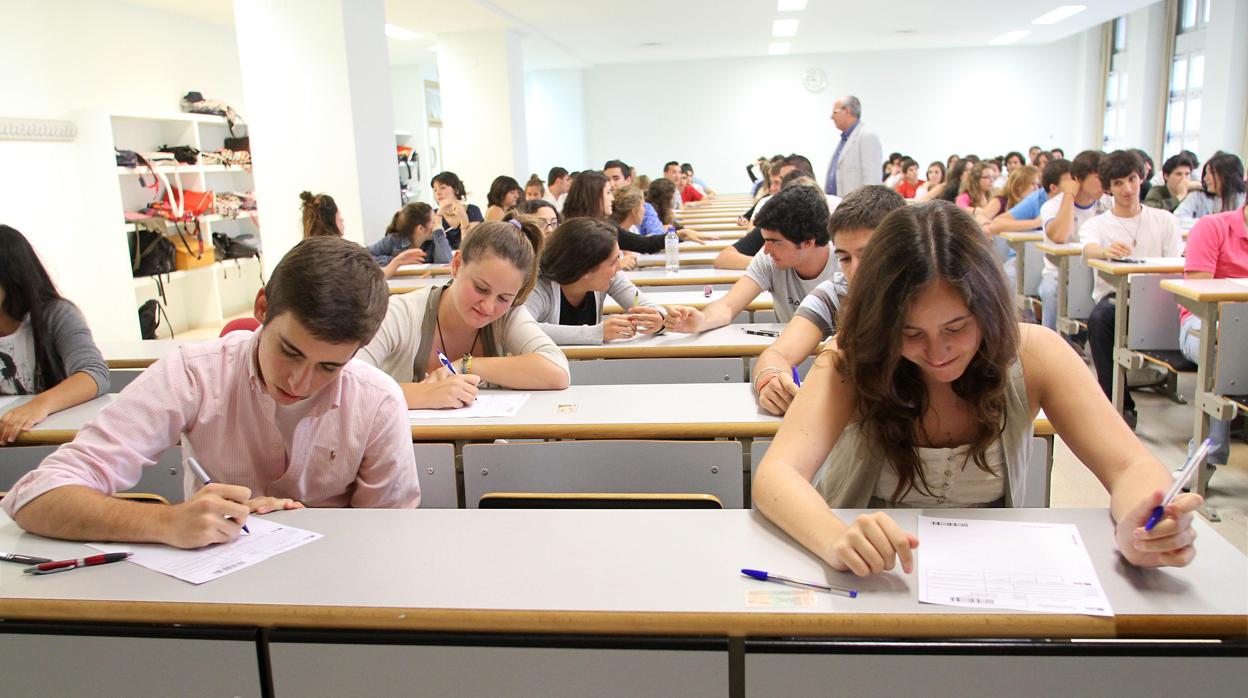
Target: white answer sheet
{"x": 484, "y": 406}
{"x": 1011, "y": 565}
{"x": 267, "y": 538}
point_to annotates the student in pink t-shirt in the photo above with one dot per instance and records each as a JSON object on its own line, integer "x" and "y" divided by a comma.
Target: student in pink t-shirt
{"x": 1217, "y": 248}
{"x": 279, "y": 419}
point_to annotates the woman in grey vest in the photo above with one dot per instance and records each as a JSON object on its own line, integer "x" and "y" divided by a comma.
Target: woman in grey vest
{"x": 929, "y": 401}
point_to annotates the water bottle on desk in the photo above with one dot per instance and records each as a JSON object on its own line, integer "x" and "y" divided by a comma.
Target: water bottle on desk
{"x": 671, "y": 249}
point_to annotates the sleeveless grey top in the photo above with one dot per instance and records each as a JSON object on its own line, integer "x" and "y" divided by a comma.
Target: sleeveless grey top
{"x": 848, "y": 477}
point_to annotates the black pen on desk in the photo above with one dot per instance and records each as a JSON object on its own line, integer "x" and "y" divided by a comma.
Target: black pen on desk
{"x": 23, "y": 559}
{"x": 763, "y": 333}
{"x": 199, "y": 473}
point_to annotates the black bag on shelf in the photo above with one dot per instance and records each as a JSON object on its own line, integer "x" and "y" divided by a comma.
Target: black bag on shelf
{"x": 149, "y": 319}
{"x": 185, "y": 154}
{"x": 240, "y": 246}
{"x": 150, "y": 252}
{"x": 128, "y": 158}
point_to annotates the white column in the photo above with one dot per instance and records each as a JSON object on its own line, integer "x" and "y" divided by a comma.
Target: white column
{"x": 316, "y": 80}
{"x": 481, "y": 78}
{"x": 1147, "y": 77}
{"x": 1225, "y": 97}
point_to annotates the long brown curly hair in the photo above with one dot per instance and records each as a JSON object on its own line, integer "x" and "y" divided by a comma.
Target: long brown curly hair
{"x": 913, "y": 247}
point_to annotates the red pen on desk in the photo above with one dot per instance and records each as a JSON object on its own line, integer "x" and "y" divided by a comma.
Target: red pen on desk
{"x": 66, "y": 565}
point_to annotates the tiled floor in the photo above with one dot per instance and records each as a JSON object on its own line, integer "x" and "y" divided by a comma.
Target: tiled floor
{"x": 1165, "y": 428}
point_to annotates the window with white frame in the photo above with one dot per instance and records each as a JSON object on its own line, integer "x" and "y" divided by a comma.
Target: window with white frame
{"x": 1187, "y": 79}
{"x": 1114, "y": 130}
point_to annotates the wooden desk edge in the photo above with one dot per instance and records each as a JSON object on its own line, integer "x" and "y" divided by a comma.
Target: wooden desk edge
{"x": 1177, "y": 287}
{"x": 129, "y": 363}
{"x": 1015, "y": 625}
{"x": 1123, "y": 269}
{"x": 431, "y": 431}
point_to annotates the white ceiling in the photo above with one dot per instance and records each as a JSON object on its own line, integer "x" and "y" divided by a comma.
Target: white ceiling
{"x": 564, "y": 33}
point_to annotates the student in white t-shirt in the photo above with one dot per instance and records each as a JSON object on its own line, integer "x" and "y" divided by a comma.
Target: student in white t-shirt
{"x": 849, "y": 227}
{"x": 1081, "y": 198}
{"x": 1128, "y": 230}
{"x": 795, "y": 239}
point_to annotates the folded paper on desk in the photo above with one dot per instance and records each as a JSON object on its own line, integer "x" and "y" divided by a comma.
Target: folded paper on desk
{"x": 483, "y": 406}
{"x": 1008, "y": 565}
{"x": 267, "y": 539}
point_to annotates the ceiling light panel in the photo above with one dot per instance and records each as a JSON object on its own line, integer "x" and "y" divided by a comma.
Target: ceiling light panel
{"x": 1059, "y": 14}
{"x": 784, "y": 27}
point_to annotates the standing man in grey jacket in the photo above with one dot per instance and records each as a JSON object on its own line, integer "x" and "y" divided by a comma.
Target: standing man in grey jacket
{"x": 858, "y": 156}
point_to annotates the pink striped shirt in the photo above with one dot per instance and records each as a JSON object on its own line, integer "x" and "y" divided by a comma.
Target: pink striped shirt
{"x": 353, "y": 447}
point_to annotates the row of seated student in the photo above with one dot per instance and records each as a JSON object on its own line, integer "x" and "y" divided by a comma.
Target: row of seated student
{"x": 926, "y": 399}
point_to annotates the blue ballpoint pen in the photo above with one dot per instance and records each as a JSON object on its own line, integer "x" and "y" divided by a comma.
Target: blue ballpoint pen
{"x": 789, "y": 581}
{"x": 796, "y": 379}
{"x": 447, "y": 363}
{"x": 1184, "y": 476}
{"x": 199, "y": 472}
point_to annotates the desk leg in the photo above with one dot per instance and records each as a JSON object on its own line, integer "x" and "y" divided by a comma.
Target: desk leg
{"x": 1063, "y": 280}
{"x": 1020, "y": 280}
{"x": 1122, "y": 289}
{"x": 1206, "y": 371}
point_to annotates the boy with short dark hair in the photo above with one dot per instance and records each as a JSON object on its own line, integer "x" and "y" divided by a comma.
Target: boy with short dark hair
{"x": 1079, "y": 199}
{"x": 850, "y": 227}
{"x": 795, "y": 239}
{"x": 279, "y": 419}
{"x": 1129, "y": 229}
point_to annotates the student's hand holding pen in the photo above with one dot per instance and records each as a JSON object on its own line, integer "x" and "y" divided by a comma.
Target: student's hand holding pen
{"x": 214, "y": 514}
{"x": 1169, "y": 543}
{"x": 683, "y": 318}
{"x": 776, "y": 393}
{"x": 645, "y": 320}
{"x": 444, "y": 389}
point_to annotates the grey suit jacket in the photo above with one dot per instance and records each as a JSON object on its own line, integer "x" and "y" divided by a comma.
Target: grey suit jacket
{"x": 860, "y": 162}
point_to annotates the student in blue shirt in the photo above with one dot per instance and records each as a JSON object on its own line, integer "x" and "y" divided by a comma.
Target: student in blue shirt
{"x": 1026, "y": 214}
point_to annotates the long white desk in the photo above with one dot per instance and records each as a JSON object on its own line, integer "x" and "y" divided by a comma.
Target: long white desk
{"x": 695, "y": 411}
{"x": 643, "y": 278}
{"x": 383, "y": 611}
{"x": 687, "y": 259}
{"x": 697, "y": 299}
{"x": 729, "y": 340}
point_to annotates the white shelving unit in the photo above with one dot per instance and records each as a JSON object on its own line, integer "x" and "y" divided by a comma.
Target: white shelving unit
{"x": 199, "y": 301}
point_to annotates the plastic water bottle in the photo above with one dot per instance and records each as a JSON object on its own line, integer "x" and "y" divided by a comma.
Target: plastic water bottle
{"x": 671, "y": 249}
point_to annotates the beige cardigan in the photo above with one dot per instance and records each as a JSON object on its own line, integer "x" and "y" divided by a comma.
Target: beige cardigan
{"x": 402, "y": 344}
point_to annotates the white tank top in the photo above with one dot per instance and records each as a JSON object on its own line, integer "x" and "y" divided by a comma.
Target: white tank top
{"x": 953, "y": 478}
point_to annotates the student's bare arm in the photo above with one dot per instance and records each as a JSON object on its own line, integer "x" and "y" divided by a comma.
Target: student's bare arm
{"x": 523, "y": 372}
{"x": 74, "y": 390}
{"x": 1059, "y": 382}
{"x": 730, "y": 258}
{"x": 214, "y": 515}
{"x": 798, "y": 341}
{"x": 1007, "y": 223}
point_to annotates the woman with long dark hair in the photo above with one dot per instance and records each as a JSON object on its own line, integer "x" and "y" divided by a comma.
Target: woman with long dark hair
{"x": 46, "y": 348}
{"x": 504, "y": 193}
{"x": 928, "y": 400}
{"x": 580, "y": 267}
{"x": 1223, "y": 177}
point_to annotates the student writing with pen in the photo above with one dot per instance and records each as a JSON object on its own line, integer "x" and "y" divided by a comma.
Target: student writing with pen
{"x": 849, "y": 227}
{"x": 279, "y": 418}
{"x": 929, "y": 399}
{"x": 580, "y": 267}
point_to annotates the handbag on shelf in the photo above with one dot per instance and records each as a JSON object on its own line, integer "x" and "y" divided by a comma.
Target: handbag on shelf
{"x": 150, "y": 253}
{"x": 149, "y": 319}
{"x": 241, "y": 246}
{"x": 190, "y": 252}
{"x": 185, "y": 154}
{"x": 194, "y": 103}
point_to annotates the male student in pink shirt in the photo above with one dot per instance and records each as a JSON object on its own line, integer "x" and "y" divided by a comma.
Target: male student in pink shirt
{"x": 280, "y": 419}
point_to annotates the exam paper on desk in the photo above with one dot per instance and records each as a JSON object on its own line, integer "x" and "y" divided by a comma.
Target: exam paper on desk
{"x": 1015, "y": 565}
{"x": 484, "y": 406}
{"x": 267, "y": 538}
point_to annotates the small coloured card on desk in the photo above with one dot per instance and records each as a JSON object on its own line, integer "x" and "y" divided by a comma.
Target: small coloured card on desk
{"x": 267, "y": 538}
{"x": 504, "y": 405}
{"x": 1007, "y": 565}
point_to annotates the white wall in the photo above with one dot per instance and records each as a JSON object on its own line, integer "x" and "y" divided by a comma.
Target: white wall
{"x": 1226, "y": 80}
{"x": 722, "y": 114}
{"x": 555, "y": 105}
{"x": 407, "y": 84}
{"x": 481, "y": 78}
{"x": 64, "y": 59}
